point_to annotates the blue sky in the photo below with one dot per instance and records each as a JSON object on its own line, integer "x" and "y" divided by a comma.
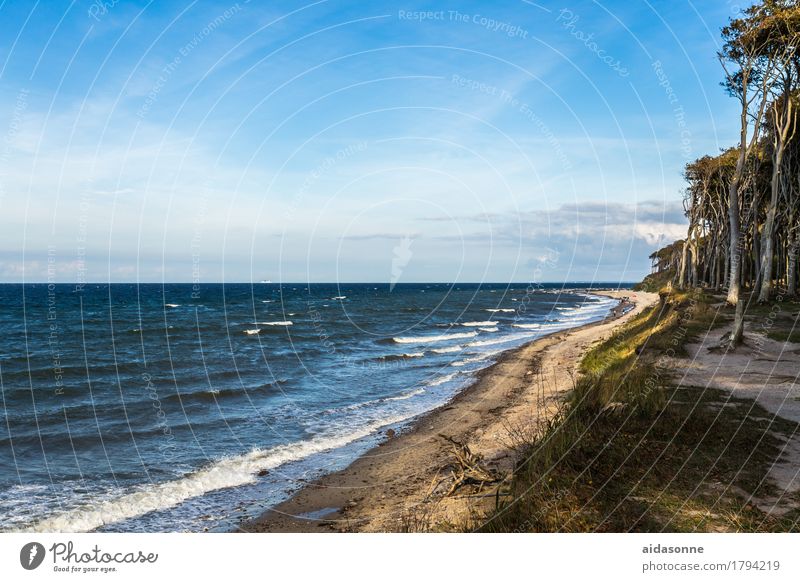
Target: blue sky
{"x": 351, "y": 141}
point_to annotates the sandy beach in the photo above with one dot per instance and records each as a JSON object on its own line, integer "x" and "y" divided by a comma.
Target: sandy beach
{"x": 402, "y": 482}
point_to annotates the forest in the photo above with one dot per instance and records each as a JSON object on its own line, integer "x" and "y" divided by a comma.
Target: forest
{"x": 743, "y": 204}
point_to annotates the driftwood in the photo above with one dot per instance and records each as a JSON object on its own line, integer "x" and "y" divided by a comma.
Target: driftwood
{"x": 469, "y": 469}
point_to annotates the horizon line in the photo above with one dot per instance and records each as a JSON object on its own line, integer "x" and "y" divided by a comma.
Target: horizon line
{"x": 599, "y": 281}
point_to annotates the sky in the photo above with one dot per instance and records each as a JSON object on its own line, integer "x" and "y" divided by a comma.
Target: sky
{"x": 351, "y": 141}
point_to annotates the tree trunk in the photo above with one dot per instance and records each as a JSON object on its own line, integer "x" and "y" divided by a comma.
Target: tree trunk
{"x": 727, "y": 270}
{"x": 682, "y": 271}
{"x": 767, "y": 233}
{"x": 735, "y": 273}
{"x": 713, "y": 272}
{"x": 738, "y": 325}
{"x": 695, "y": 260}
{"x": 754, "y": 265}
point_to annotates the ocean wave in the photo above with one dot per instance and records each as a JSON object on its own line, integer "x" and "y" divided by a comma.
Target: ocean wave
{"x": 488, "y": 329}
{"x": 377, "y": 401}
{"x": 402, "y": 356}
{"x": 448, "y": 350}
{"x": 442, "y": 379}
{"x": 406, "y": 396}
{"x": 171, "y": 305}
{"x": 527, "y": 325}
{"x": 478, "y": 323}
{"x": 474, "y": 359}
{"x": 500, "y": 310}
{"x": 281, "y": 323}
{"x": 578, "y": 317}
{"x": 252, "y": 331}
{"x": 217, "y": 393}
{"x": 434, "y": 338}
{"x": 501, "y": 340}
{"x": 222, "y": 474}
{"x": 339, "y": 297}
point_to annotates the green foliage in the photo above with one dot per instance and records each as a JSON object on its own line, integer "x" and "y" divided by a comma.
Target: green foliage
{"x": 655, "y": 282}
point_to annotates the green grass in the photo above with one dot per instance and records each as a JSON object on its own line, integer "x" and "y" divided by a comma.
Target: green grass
{"x": 778, "y": 318}
{"x": 655, "y": 282}
{"x": 785, "y": 335}
{"x": 631, "y": 452}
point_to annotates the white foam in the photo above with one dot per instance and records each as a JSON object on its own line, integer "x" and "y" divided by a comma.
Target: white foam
{"x": 171, "y": 305}
{"x": 501, "y": 340}
{"x": 449, "y": 350}
{"x": 474, "y": 359}
{"x": 252, "y": 331}
{"x": 284, "y": 323}
{"x": 442, "y": 379}
{"x": 501, "y": 310}
{"x": 527, "y": 325}
{"x": 339, "y": 297}
{"x": 222, "y": 474}
{"x": 488, "y": 329}
{"x": 434, "y": 338}
{"x": 478, "y": 323}
{"x": 405, "y": 396}
{"x": 414, "y": 355}
{"x": 378, "y": 401}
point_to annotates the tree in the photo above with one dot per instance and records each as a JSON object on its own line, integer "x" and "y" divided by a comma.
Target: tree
{"x": 749, "y": 74}
{"x": 780, "y": 38}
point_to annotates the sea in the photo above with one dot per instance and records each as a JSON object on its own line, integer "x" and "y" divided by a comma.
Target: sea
{"x": 180, "y": 407}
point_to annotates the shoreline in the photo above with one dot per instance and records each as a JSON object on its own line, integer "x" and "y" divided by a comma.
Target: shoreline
{"x": 394, "y": 485}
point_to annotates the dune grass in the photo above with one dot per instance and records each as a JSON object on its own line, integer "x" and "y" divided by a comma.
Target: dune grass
{"x": 629, "y": 451}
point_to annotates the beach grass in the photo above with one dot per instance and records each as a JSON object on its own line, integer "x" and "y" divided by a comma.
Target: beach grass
{"x": 655, "y": 282}
{"x": 630, "y": 451}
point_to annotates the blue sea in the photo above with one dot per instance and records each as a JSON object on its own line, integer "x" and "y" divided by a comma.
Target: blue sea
{"x": 189, "y": 408}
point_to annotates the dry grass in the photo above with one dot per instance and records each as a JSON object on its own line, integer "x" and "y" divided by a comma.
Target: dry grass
{"x": 630, "y": 452}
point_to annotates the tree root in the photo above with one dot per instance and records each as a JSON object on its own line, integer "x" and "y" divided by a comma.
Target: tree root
{"x": 469, "y": 469}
